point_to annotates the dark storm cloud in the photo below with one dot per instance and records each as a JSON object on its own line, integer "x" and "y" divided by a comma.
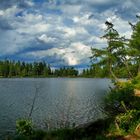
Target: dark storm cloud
{"x": 5, "y": 25}
{"x": 6, "y": 4}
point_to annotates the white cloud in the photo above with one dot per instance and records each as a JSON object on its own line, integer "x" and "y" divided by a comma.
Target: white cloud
{"x": 70, "y": 28}
{"x": 11, "y": 42}
{"x": 45, "y": 39}
{"x": 121, "y": 25}
{"x": 73, "y": 31}
{"x": 31, "y": 18}
{"x": 70, "y": 59}
{"x": 72, "y": 55}
{"x": 10, "y": 12}
{"x": 71, "y": 9}
{"x": 30, "y": 3}
{"x": 85, "y": 19}
{"x": 33, "y": 29}
{"x": 1, "y": 13}
{"x": 128, "y": 4}
{"x": 31, "y": 24}
{"x": 97, "y": 40}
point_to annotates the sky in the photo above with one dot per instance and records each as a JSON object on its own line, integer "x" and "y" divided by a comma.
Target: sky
{"x": 60, "y": 32}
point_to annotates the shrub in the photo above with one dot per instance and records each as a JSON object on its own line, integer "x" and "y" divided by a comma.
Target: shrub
{"x": 24, "y": 127}
{"x": 129, "y": 120}
{"x": 118, "y": 100}
{"x": 136, "y": 82}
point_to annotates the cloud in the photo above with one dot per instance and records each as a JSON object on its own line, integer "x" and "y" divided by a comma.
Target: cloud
{"x": 25, "y": 4}
{"x": 60, "y": 31}
{"x": 100, "y": 2}
{"x": 9, "y": 12}
{"x": 71, "y": 9}
{"x": 85, "y": 19}
{"x": 73, "y": 55}
{"x": 45, "y": 39}
{"x": 5, "y": 25}
{"x": 73, "y": 32}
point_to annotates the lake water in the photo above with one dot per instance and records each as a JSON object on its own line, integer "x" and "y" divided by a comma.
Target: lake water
{"x": 58, "y": 101}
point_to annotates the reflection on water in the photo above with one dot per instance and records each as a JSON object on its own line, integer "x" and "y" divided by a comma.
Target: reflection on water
{"x": 59, "y": 101}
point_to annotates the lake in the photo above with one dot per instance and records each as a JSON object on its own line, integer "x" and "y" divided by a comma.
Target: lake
{"x": 58, "y": 101}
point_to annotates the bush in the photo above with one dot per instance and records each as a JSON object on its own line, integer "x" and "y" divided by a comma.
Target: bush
{"x": 136, "y": 82}
{"x": 24, "y": 127}
{"x": 129, "y": 120}
{"x": 122, "y": 104}
{"x": 118, "y": 100}
{"x": 122, "y": 98}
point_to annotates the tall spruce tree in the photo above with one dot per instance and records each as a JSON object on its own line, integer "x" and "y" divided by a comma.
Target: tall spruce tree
{"x": 115, "y": 54}
{"x": 134, "y": 45}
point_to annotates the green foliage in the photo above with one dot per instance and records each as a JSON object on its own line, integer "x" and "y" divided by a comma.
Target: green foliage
{"x": 95, "y": 71}
{"x": 22, "y": 69}
{"x": 24, "y": 127}
{"x": 136, "y": 82}
{"x": 124, "y": 106}
{"x": 94, "y": 131}
{"x": 64, "y": 72}
{"x": 113, "y": 101}
{"x": 38, "y": 135}
{"x": 128, "y": 121}
{"x": 121, "y": 58}
{"x": 36, "y": 69}
{"x": 112, "y": 57}
{"x": 134, "y": 45}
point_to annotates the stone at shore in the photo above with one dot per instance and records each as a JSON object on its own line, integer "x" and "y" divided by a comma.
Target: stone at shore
{"x": 137, "y": 130}
{"x": 137, "y": 92}
{"x": 130, "y": 137}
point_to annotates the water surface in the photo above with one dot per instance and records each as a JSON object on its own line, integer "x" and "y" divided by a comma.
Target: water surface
{"x": 59, "y": 101}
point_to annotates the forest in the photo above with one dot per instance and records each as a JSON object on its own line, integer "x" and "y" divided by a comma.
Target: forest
{"x": 37, "y": 69}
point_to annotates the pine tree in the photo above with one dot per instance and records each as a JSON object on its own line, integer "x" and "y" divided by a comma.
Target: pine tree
{"x": 134, "y": 45}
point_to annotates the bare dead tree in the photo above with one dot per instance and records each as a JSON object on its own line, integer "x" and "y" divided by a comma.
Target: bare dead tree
{"x": 33, "y": 101}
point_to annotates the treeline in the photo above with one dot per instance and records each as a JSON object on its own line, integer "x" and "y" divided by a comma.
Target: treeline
{"x": 121, "y": 57}
{"x": 21, "y": 69}
{"x": 64, "y": 72}
{"x": 37, "y": 69}
{"x": 97, "y": 71}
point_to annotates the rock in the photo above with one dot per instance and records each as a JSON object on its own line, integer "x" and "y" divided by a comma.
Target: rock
{"x": 137, "y": 92}
{"x": 137, "y": 130}
{"x": 130, "y": 137}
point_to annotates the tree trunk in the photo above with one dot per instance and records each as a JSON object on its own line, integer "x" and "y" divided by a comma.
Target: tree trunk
{"x": 127, "y": 68}
{"x": 33, "y": 103}
{"x": 113, "y": 75}
{"x": 138, "y": 68}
